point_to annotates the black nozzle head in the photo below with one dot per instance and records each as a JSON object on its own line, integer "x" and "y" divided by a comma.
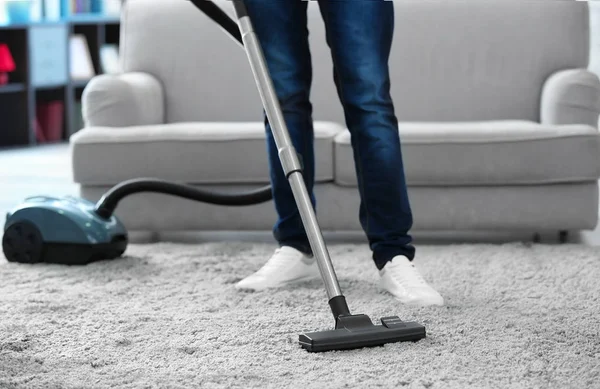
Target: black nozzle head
{"x": 358, "y": 331}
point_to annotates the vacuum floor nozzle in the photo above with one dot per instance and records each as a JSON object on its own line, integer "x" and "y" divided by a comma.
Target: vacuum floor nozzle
{"x": 358, "y": 331}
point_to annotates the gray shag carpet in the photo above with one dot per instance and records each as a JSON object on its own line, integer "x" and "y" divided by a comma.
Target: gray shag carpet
{"x": 167, "y": 316}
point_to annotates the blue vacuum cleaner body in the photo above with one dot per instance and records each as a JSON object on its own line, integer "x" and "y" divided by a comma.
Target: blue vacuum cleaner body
{"x": 65, "y": 230}
{"x": 74, "y": 231}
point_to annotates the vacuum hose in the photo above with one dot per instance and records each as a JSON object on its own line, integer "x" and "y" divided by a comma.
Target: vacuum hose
{"x": 219, "y": 16}
{"x": 108, "y": 203}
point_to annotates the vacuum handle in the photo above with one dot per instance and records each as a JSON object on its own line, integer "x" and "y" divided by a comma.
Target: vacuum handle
{"x": 219, "y": 16}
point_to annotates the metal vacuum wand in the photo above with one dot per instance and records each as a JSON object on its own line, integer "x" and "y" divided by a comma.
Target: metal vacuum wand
{"x": 287, "y": 153}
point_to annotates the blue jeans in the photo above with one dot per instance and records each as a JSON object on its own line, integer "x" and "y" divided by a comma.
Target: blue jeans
{"x": 359, "y": 34}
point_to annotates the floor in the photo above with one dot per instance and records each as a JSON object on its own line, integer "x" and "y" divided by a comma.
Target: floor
{"x": 46, "y": 170}
{"x": 168, "y": 316}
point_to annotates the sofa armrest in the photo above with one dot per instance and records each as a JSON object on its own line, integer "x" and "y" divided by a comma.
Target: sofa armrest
{"x": 571, "y": 96}
{"x": 121, "y": 100}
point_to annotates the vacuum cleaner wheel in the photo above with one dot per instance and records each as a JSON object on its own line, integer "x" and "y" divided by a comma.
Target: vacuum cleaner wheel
{"x": 22, "y": 242}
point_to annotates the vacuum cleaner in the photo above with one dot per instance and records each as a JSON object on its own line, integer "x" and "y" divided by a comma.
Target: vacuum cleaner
{"x": 73, "y": 231}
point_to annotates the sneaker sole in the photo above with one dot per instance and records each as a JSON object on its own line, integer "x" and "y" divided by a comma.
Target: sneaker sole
{"x": 412, "y": 303}
{"x": 280, "y": 285}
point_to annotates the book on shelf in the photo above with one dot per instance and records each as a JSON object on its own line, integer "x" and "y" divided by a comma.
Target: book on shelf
{"x": 86, "y": 7}
{"x": 109, "y": 59}
{"x": 52, "y": 10}
{"x": 49, "y": 121}
{"x": 36, "y": 10}
{"x": 81, "y": 65}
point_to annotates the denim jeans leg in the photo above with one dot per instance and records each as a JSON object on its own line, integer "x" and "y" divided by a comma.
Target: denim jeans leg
{"x": 359, "y": 34}
{"x": 281, "y": 28}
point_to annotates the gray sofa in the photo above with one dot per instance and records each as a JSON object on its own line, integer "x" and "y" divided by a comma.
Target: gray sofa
{"x": 498, "y": 119}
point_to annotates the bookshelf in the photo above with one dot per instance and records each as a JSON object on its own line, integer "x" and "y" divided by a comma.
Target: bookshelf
{"x": 41, "y": 103}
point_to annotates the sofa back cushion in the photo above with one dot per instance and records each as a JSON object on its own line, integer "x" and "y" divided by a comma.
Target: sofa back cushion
{"x": 451, "y": 60}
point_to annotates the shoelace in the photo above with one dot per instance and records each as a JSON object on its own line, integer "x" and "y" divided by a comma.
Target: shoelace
{"x": 408, "y": 275}
{"x": 277, "y": 261}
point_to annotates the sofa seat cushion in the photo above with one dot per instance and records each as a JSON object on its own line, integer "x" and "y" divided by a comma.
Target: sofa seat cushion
{"x": 487, "y": 153}
{"x": 196, "y": 153}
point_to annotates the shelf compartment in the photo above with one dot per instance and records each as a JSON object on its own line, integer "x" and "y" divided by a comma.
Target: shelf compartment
{"x": 14, "y": 130}
{"x": 50, "y": 114}
{"x": 16, "y": 40}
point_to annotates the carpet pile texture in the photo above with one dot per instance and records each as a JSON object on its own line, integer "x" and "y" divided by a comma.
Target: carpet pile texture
{"x": 168, "y": 316}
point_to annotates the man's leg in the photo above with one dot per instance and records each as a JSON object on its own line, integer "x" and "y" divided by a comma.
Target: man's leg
{"x": 281, "y": 28}
{"x": 360, "y": 36}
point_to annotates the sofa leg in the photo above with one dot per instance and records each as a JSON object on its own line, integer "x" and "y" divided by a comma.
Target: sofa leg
{"x": 563, "y": 236}
{"x": 537, "y": 238}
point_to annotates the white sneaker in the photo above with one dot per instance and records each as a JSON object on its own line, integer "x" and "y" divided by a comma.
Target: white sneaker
{"x": 287, "y": 266}
{"x": 401, "y": 278}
